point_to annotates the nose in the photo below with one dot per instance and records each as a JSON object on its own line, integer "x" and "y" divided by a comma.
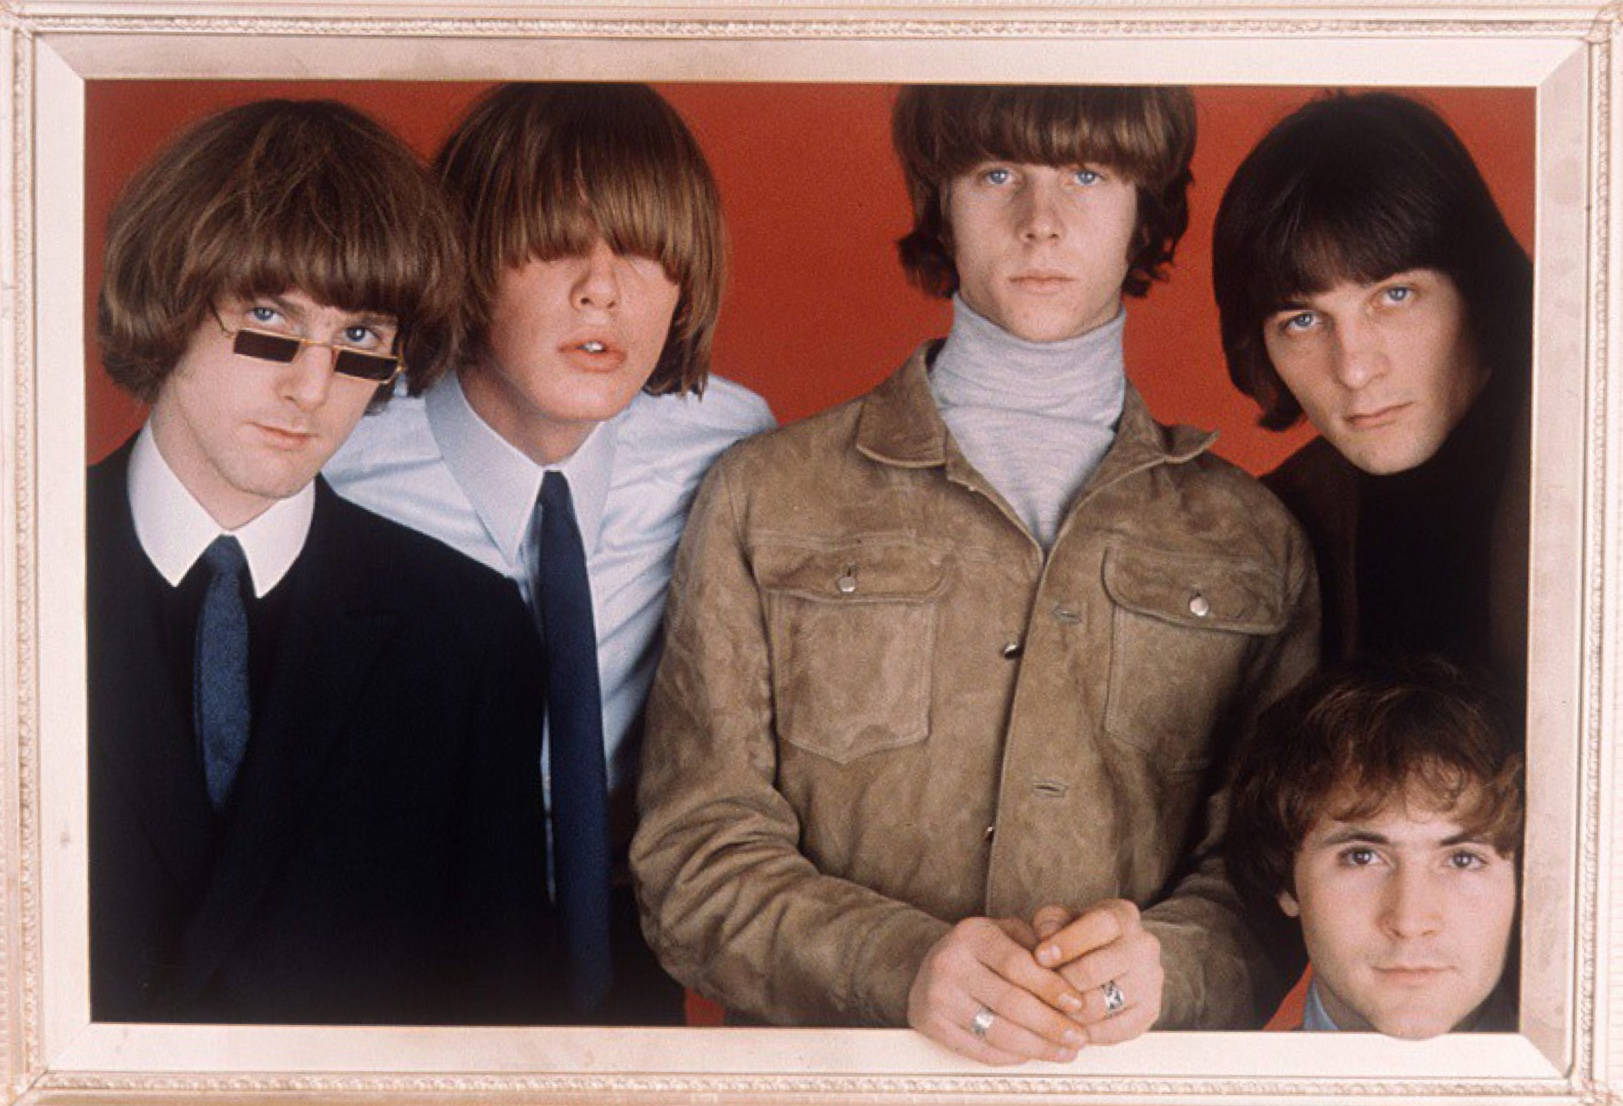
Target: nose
{"x": 307, "y": 378}
{"x": 1038, "y": 211}
{"x": 597, "y": 285}
{"x": 1411, "y": 907}
{"x": 1359, "y": 357}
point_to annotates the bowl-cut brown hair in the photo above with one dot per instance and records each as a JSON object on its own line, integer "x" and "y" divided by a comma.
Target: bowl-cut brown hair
{"x": 271, "y": 196}
{"x": 1354, "y": 737}
{"x": 943, "y": 131}
{"x": 539, "y": 171}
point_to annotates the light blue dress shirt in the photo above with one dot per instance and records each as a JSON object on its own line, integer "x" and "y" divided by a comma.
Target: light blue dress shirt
{"x": 433, "y": 464}
{"x": 1315, "y": 1018}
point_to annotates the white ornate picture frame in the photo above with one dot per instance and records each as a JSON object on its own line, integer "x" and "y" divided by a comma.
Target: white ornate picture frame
{"x": 1570, "y": 1048}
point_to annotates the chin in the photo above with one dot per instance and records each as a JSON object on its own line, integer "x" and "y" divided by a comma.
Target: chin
{"x": 1413, "y": 1026}
{"x": 274, "y": 482}
{"x": 285, "y": 489}
{"x": 1386, "y": 462}
{"x": 580, "y": 412}
{"x": 594, "y": 401}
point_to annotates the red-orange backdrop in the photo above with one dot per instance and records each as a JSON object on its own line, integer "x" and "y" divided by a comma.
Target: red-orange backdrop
{"x": 817, "y": 309}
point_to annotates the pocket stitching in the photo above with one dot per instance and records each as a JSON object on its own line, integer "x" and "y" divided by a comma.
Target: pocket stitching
{"x": 1217, "y": 567}
{"x": 1122, "y": 609}
{"x": 913, "y": 607}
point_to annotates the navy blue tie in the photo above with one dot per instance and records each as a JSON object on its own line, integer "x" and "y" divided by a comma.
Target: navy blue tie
{"x": 220, "y": 669}
{"x": 580, "y": 824}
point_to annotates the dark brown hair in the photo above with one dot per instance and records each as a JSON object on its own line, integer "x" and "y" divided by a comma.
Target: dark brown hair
{"x": 1353, "y": 738}
{"x": 943, "y": 131}
{"x": 271, "y": 196}
{"x": 1357, "y": 188}
{"x": 539, "y": 171}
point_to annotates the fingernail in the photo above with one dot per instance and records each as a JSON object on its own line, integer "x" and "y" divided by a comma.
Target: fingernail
{"x": 1070, "y": 1003}
{"x": 1047, "y": 955}
{"x": 1075, "y": 1038}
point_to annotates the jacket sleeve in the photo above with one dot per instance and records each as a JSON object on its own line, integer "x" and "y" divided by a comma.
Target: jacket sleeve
{"x": 729, "y": 903}
{"x": 1222, "y": 970}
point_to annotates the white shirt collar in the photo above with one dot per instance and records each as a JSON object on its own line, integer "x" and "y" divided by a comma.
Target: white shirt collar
{"x": 174, "y": 528}
{"x": 502, "y": 482}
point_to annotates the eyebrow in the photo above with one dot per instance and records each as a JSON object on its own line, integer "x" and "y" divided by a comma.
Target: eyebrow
{"x": 1358, "y": 834}
{"x": 363, "y": 318}
{"x": 1291, "y": 304}
{"x": 1361, "y": 835}
{"x": 286, "y": 307}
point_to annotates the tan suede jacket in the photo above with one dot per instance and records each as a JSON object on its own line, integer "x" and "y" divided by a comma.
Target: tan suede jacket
{"x": 881, "y": 709}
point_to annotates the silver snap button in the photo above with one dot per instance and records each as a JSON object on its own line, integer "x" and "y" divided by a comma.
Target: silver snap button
{"x": 1011, "y": 649}
{"x": 1198, "y": 606}
{"x": 990, "y": 830}
{"x": 847, "y": 582}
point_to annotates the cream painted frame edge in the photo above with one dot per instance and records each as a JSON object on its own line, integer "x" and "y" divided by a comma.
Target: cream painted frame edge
{"x": 49, "y": 1053}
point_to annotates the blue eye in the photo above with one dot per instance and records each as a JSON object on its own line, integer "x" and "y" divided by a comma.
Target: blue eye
{"x": 360, "y": 336}
{"x": 997, "y": 175}
{"x": 1398, "y": 293}
{"x": 263, "y": 314}
{"x": 1299, "y": 322}
{"x": 1087, "y": 176}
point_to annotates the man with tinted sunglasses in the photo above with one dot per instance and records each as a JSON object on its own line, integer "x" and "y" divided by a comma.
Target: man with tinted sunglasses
{"x": 311, "y": 740}
{"x": 358, "y": 354}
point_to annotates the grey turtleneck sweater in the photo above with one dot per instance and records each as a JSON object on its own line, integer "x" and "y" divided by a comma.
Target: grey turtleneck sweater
{"x": 1034, "y": 418}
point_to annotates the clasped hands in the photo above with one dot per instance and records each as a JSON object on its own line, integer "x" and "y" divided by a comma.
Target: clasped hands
{"x": 1004, "y": 990}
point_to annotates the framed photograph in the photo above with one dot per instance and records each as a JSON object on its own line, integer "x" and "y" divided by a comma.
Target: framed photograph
{"x": 1544, "y": 71}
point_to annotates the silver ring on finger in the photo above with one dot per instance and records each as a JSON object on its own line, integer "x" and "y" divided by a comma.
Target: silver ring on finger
{"x": 981, "y": 1022}
{"x": 1114, "y": 999}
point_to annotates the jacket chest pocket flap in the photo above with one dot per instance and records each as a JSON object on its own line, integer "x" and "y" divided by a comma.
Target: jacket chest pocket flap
{"x": 852, "y": 633}
{"x": 1182, "y": 630}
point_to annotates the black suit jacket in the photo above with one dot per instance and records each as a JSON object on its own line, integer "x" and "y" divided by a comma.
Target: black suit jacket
{"x": 382, "y": 856}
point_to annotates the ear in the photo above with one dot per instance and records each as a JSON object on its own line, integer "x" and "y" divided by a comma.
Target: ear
{"x": 1287, "y": 903}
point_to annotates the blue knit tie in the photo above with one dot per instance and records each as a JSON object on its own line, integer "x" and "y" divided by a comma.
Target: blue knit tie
{"x": 580, "y": 825}
{"x": 220, "y": 669}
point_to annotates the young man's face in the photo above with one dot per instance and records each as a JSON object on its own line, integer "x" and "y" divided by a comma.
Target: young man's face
{"x": 1406, "y": 918}
{"x": 1385, "y": 371}
{"x": 1041, "y": 250}
{"x": 241, "y": 432}
{"x": 572, "y": 342}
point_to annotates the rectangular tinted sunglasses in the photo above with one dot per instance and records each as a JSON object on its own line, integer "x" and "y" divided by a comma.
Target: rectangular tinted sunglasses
{"x": 378, "y": 368}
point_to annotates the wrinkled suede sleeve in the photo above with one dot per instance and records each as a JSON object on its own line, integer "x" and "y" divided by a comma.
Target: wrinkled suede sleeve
{"x": 729, "y": 903}
{"x": 1219, "y": 974}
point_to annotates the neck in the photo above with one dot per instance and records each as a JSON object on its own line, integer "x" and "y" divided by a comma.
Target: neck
{"x": 1325, "y": 1010}
{"x": 984, "y": 364}
{"x": 1033, "y": 418}
{"x": 506, "y": 411}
